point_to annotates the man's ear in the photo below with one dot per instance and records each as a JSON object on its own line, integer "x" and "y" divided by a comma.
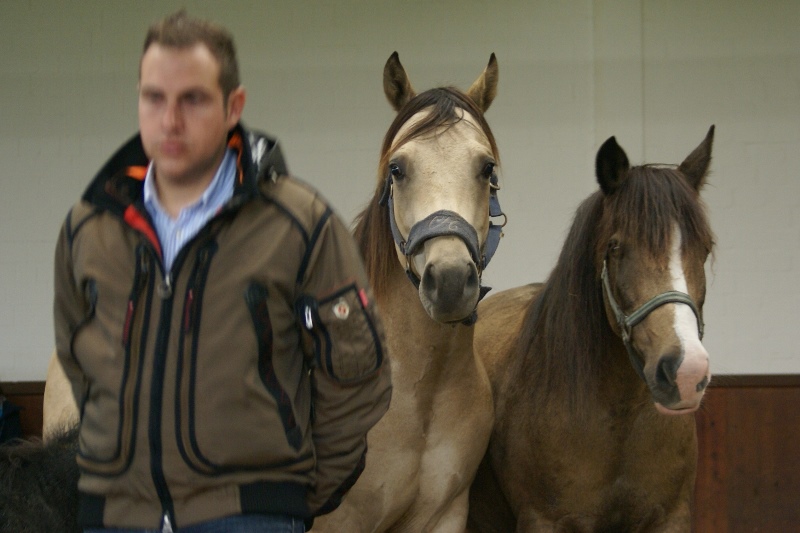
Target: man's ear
{"x": 236, "y": 100}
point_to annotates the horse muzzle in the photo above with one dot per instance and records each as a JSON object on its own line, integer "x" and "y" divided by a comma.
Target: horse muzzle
{"x": 449, "y": 284}
{"x": 680, "y": 380}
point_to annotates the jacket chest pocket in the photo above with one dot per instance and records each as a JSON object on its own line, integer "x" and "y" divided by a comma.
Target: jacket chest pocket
{"x": 347, "y": 344}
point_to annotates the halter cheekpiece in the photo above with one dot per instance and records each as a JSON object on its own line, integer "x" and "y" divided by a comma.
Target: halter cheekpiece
{"x": 442, "y": 223}
{"x": 627, "y": 322}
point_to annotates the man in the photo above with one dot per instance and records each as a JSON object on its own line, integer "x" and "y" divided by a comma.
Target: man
{"x": 212, "y": 316}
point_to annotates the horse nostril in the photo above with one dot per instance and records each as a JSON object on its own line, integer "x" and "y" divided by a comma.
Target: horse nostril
{"x": 472, "y": 277}
{"x": 450, "y": 282}
{"x": 667, "y": 370}
{"x": 702, "y": 385}
{"x": 429, "y": 276}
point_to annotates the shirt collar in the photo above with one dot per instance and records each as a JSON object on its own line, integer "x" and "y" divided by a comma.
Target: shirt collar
{"x": 226, "y": 168}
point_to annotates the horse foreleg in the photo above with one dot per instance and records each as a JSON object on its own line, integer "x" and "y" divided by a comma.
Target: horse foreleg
{"x": 453, "y": 518}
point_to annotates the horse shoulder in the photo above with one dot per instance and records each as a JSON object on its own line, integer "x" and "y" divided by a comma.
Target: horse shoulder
{"x": 499, "y": 323}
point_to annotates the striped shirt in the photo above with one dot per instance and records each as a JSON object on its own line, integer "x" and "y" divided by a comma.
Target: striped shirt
{"x": 173, "y": 234}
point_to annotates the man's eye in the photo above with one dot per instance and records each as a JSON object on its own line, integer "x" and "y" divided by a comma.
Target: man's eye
{"x": 153, "y": 98}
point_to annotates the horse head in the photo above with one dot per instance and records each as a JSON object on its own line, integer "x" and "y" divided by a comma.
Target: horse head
{"x": 437, "y": 184}
{"x": 653, "y": 242}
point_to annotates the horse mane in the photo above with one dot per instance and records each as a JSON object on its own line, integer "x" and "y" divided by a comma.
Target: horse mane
{"x": 371, "y": 230}
{"x": 566, "y": 325}
{"x": 39, "y": 485}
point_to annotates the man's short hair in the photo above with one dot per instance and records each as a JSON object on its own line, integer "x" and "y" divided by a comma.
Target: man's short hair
{"x": 179, "y": 30}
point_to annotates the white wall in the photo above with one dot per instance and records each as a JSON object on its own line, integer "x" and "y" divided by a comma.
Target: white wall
{"x": 655, "y": 74}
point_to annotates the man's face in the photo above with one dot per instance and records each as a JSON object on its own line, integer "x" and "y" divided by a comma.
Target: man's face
{"x": 183, "y": 119}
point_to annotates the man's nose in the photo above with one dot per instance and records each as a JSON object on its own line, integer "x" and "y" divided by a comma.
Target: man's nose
{"x": 172, "y": 119}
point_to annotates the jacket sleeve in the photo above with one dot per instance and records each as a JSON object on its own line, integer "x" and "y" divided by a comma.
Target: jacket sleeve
{"x": 351, "y": 383}
{"x": 71, "y": 306}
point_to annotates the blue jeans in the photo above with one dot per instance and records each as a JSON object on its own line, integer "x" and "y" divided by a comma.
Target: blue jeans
{"x": 229, "y": 524}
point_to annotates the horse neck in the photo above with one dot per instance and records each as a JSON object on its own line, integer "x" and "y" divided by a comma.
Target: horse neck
{"x": 618, "y": 383}
{"x": 585, "y": 374}
{"x": 414, "y": 337}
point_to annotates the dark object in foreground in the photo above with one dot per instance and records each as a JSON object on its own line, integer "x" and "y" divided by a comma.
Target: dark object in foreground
{"x": 39, "y": 485}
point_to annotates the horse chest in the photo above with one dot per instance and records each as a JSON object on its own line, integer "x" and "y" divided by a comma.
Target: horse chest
{"x": 587, "y": 472}
{"x": 441, "y": 414}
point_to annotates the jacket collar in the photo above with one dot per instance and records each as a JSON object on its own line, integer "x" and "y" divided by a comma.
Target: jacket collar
{"x": 120, "y": 182}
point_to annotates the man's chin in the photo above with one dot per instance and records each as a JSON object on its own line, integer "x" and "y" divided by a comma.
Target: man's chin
{"x": 169, "y": 170}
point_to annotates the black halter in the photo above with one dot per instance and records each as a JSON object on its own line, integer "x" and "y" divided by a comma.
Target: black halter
{"x": 627, "y": 322}
{"x": 445, "y": 222}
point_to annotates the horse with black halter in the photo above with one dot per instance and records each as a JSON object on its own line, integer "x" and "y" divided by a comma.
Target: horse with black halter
{"x": 426, "y": 236}
{"x": 596, "y": 372}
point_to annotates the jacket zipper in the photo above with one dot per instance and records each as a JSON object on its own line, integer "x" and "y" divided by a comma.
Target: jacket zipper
{"x": 165, "y": 292}
{"x": 166, "y": 524}
{"x": 156, "y": 402}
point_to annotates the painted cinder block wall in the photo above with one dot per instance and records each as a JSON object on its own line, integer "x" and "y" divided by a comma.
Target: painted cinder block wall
{"x": 654, "y": 74}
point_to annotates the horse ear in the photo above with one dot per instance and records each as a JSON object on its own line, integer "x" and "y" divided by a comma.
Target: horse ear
{"x": 484, "y": 89}
{"x": 695, "y": 166}
{"x": 396, "y": 87}
{"x": 611, "y": 166}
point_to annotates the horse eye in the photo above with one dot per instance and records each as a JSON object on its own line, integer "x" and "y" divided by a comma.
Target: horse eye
{"x": 488, "y": 170}
{"x": 613, "y": 246}
{"x": 396, "y": 171}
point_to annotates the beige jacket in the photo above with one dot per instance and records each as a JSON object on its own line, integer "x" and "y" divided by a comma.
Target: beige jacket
{"x": 245, "y": 380}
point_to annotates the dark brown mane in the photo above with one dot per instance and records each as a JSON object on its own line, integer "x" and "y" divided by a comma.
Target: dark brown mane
{"x": 372, "y": 231}
{"x": 566, "y": 325}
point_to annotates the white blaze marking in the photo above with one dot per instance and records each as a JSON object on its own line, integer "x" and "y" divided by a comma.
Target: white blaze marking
{"x": 694, "y": 367}
{"x": 685, "y": 321}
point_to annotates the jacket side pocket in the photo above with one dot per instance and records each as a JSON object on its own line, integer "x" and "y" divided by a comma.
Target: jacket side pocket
{"x": 257, "y": 302}
{"x": 108, "y": 452}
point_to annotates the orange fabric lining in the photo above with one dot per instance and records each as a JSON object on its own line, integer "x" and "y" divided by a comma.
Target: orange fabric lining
{"x": 136, "y": 221}
{"x": 136, "y": 172}
{"x": 235, "y": 142}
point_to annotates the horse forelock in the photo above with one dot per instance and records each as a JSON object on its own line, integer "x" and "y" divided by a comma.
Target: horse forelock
{"x": 371, "y": 228}
{"x": 649, "y": 203}
{"x": 442, "y": 105}
{"x": 566, "y": 328}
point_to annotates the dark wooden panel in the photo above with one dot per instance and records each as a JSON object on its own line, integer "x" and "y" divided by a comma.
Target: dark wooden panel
{"x": 710, "y": 498}
{"x": 31, "y": 413}
{"x": 748, "y": 475}
{"x": 748, "y": 472}
{"x": 28, "y": 395}
{"x": 22, "y": 387}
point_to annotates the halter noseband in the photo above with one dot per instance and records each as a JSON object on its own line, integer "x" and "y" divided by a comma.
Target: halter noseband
{"x": 627, "y": 322}
{"x": 443, "y": 223}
